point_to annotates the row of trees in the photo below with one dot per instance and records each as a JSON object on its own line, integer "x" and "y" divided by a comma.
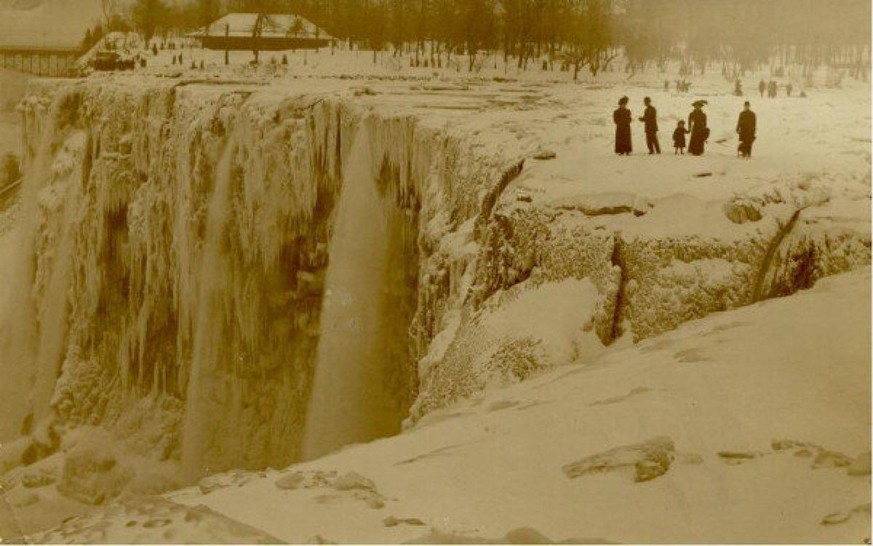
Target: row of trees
{"x": 747, "y": 33}
{"x": 573, "y": 33}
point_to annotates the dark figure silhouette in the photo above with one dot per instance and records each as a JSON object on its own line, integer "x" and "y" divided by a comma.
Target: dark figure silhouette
{"x": 789, "y": 89}
{"x": 762, "y": 87}
{"x": 622, "y": 119}
{"x": 738, "y": 88}
{"x": 774, "y": 90}
{"x": 747, "y": 127}
{"x": 650, "y": 118}
{"x": 679, "y": 137}
{"x": 698, "y": 128}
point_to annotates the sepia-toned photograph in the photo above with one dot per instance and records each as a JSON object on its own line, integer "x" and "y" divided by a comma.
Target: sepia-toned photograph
{"x": 435, "y": 271}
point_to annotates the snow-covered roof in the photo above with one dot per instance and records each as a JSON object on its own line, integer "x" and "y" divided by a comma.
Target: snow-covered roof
{"x": 276, "y": 26}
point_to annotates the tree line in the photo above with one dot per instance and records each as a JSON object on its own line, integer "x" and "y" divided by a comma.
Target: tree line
{"x": 569, "y": 34}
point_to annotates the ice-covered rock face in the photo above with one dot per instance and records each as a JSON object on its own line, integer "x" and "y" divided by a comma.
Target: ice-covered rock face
{"x": 178, "y": 242}
{"x": 183, "y": 245}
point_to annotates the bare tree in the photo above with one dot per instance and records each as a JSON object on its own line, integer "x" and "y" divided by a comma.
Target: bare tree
{"x": 108, "y": 9}
{"x": 591, "y": 38}
{"x": 258, "y": 31}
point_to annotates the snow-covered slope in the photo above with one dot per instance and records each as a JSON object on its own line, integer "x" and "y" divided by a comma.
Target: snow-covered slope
{"x": 747, "y": 426}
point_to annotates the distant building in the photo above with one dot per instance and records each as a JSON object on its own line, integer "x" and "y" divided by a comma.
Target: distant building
{"x": 278, "y": 32}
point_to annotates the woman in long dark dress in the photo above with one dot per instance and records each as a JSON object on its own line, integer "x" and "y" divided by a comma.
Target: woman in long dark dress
{"x": 698, "y": 128}
{"x": 622, "y": 119}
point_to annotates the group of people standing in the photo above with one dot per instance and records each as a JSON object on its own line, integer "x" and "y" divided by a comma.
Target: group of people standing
{"x": 697, "y": 127}
{"x": 772, "y": 89}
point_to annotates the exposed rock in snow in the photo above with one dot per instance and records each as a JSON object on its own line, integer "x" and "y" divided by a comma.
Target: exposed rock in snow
{"x": 648, "y": 460}
{"x": 821, "y": 457}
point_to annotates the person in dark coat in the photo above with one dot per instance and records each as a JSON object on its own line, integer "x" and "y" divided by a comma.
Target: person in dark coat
{"x": 774, "y": 89}
{"x": 622, "y": 119}
{"x": 789, "y": 88}
{"x": 698, "y": 128}
{"x": 679, "y": 138}
{"x": 747, "y": 127}
{"x": 762, "y": 87}
{"x": 650, "y": 119}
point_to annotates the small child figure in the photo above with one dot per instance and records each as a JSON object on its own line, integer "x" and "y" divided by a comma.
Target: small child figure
{"x": 679, "y": 138}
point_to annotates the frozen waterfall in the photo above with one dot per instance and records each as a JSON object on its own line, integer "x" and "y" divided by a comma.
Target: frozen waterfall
{"x": 362, "y": 368}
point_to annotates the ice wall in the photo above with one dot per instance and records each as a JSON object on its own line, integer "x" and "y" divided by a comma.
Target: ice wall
{"x": 176, "y": 247}
{"x": 175, "y": 258}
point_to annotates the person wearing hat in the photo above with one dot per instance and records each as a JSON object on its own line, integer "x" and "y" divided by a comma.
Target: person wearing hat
{"x": 622, "y": 119}
{"x": 746, "y": 128}
{"x": 650, "y": 118}
{"x": 698, "y": 129}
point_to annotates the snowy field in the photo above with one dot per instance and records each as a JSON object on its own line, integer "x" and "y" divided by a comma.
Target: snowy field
{"x": 595, "y": 358}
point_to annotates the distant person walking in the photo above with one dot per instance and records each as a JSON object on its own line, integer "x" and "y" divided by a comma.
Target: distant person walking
{"x": 650, "y": 119}
{"x": 789, "y": 88}
{"x": 762, "y": 87}
{"x": 622, "y": 119}
{"x": 679, "y": 138}
{"x": 699, "y": 130}
{"x": 747, "y": 127}
{"x": 774, "y": 90}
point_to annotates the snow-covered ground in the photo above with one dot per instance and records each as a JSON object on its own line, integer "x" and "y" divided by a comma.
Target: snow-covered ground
{"x": 164, "y": 201}
{"x": 746, "y": 426}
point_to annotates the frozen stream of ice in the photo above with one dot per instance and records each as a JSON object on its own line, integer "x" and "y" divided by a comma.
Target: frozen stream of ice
{"x": 355, "y": 391}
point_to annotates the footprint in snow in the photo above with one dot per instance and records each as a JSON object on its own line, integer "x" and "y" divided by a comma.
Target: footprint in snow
{"x": 618, "y": 399}
{"x": 350, "y": 485}
{"x": 691, "y": 356}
